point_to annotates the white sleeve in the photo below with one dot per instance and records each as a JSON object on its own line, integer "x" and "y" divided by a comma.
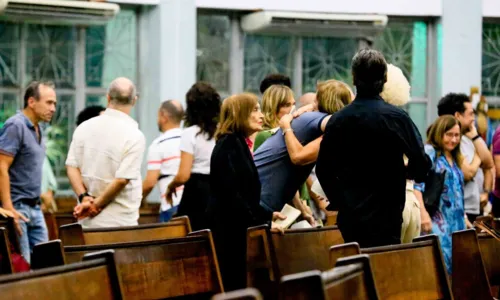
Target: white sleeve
{"x": 188, "y": 140}
{"x": 154, "y": 157}
{"x": 130, "y": 165}
{"x": 71, "y": 159}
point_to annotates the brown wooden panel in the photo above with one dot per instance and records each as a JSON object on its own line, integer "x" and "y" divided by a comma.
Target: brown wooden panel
{"x": 245, "y": 294}
{"x": 91, "y": 280}
{"x": 304, "y": 249}
{"x": 490, "y": 253}
{"x": 260, "y": 272}
{"x": 469, "y": 279}
{"x": 5, "y": 258}
{"x": 52, "y": 228}
{"x": 343, "y": 250}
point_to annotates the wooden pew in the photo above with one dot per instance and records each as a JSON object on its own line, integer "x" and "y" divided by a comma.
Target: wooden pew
{"x": 409, "y": 271}
{"x": 350, "y": 279}
{"x": 74, "y": 234}
{"x": 93, "y": 279}
{"x": 8, "y": 224}
{"x": 469, "y": 279}
{"x": 5, "y": 258}
{"x": 245, "y": 294}
{"x": 271, "y": 255}
{"x": 490, "y": 253}
{"x": 155, "y": 269}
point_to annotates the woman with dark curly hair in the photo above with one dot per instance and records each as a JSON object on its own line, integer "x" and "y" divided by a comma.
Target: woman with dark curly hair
{"x": 197, "y": 142}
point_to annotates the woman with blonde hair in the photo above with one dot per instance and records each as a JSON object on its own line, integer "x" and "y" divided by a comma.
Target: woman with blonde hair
{"x": 443, "y": 149}
{"x": 277, "y": 101}
{"x": 235, "y": 187}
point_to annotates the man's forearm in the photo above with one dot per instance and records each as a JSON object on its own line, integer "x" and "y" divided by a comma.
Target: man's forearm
{"x": 109, "y": 194}
{"x": 488, "y": 180}
{"x": 75, "y": 179}
{"x": 5, "y": 199}
{"x": 484, "y": 153}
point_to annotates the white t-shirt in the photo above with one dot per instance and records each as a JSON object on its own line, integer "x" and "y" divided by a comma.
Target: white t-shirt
{"x": 201, "y": 148}
{"x": 105, "y": 148}
{"x": 164, "y": 154}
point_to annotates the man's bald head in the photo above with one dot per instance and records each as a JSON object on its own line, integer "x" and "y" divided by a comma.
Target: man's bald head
{"x": 122, "y": 91}
{"x": 307, "y": 98}
{"x": 173, "y": 109}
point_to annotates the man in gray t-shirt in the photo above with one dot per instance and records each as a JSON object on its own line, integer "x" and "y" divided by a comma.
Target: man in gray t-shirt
{"x": 280, "y": 178}
{"x": 471, "y": 188}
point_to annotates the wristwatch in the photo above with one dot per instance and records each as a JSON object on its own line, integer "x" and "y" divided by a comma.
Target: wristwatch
{"x": 286, "y": 130}
{"x": 82, "y": 195}
{"x": 476, "y": 137}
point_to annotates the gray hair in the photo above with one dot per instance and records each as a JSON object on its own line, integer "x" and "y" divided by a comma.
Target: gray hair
{"x": 174, "y": 110}
{"x": 122, "y": 91}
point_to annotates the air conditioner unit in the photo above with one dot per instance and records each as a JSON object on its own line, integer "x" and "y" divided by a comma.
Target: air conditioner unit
{"x": 313, "y": 24}
{"x": 60, "y": 12}
{"x": 3, "y": 4}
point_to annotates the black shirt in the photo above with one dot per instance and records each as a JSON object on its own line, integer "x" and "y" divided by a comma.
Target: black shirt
{"x": 361, "y": 168}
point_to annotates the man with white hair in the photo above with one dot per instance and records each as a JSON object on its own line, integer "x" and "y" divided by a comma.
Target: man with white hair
{"x": 104, "y": 162}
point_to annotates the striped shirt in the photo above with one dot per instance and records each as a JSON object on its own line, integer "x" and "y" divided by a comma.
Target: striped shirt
{"x": 164, "y": 154}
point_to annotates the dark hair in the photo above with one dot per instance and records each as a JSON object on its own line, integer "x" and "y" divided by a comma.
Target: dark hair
{"x": 174, "y": 112}
{"x": 452, "y": 103}
{"x": 273, "y": 79}
{"x": 203, "y": 107}
{"x": 33, "y": 90}
{"x": 88, "y": 113}
{"x": 369, "y": 72}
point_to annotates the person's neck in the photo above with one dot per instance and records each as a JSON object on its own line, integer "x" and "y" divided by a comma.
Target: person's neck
{"x": 168, "y": 126}
{"x": 31, "y": 116}
{"x": 123, "y": 108}
{"x": 448, "y": 155}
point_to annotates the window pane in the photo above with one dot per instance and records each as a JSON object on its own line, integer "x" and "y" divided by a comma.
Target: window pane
{"x": 213, "y": 44}
{"x": 111, "y": 50}
{"x": 491, "y": 60}
{"x": 9, "y": 49}
{"x": 265, "y": 55}
{"x": 326, "y": 58}
{"x": 404, "y": 44}
{"x": 59, "y": 133}
{"x": 51, "y": 54}
{"x": 96, "y": 100}
{"x": 418, "y": 113}
{"x": 8, "y": 106}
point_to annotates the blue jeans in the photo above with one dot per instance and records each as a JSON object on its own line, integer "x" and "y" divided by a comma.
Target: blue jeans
{"x": 34, "y": 231}
{"x": 165, "y": 216}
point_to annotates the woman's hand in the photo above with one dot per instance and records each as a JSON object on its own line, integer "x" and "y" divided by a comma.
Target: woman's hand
{"x": 425, "y": 221}
{"x": 304, "y": 109}
{"x": 285, "y": 121}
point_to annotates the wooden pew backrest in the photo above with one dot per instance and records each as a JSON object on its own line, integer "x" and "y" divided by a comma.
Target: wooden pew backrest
{"x": 343, "y": 250}
{"x": 74, "y": 234}
{"x": 490, "y": 253}
{"x": 48, "y": 254}
{"x": 260, "y": 273}
{"x": 245, "y": 294}
{"x": 5, "y": 258}
{"x": 469, "y": 279}
{"x": 95, "y": 279}
{"x": 300, "y": 250}
{"x": 410, "y": 271}
{"x": 162, "y": 268}
{"x": 302, "y": 286}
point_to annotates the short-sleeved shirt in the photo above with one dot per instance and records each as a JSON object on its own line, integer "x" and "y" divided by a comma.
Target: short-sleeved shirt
{"x": 105, "y": 148}
{"x": 496, "y": 151}
{"x": 471, "y": 188}
{"x": 194, "y": 142}
{"x": 280, "y": 179}
{"x": 18, "y": 139}
{"x": 49, "y": 182}
{"x": 164, "y": 154}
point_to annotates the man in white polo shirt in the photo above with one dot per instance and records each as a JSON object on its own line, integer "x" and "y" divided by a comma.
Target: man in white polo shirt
{"x": 104, "y": 162}
{"x": 164, "y": 157}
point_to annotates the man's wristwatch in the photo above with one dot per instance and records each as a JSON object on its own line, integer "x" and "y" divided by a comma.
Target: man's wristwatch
{"x": 476, "y": 137}
{"x": 82, "y": 195}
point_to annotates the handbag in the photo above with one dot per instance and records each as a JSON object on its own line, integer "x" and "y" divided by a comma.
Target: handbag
{"x": 434, "y": 185}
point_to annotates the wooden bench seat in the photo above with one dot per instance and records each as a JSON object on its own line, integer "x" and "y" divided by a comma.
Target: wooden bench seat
{"x": 407, "y": 271}
{"x": 5, "y": 257}
{"x": 350, "y": 279}
{"x": 74, "y": 234}
{"x": 271, "y": 255}
{"x": 93, "y": 279}
{"x": 244, "y": 294}
{"x": 154, "y": 269}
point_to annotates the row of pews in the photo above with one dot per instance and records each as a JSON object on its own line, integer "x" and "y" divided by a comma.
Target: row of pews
{"x": 169, "y": 261}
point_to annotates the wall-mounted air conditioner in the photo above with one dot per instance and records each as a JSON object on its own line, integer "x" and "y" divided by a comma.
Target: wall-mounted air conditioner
{"x": 313, "y": 24}
{"x": 60, "y": 12}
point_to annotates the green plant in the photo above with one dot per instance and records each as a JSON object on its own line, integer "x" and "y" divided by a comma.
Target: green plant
{"x": 56, "y": 144}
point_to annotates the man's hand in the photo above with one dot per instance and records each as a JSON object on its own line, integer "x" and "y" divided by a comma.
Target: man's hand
{"x": 86, "y": 209}
{"x": 425, "y": 221}
{"x": 18, "y": 216}
{"x": 304, "y": 109}
{"x": 472, "y": 132}
{"x": 285, "y": 121}
{"x": 171, "y": 190}
{"x": 6, "y": 213}
{"x": 483, "y": 199}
